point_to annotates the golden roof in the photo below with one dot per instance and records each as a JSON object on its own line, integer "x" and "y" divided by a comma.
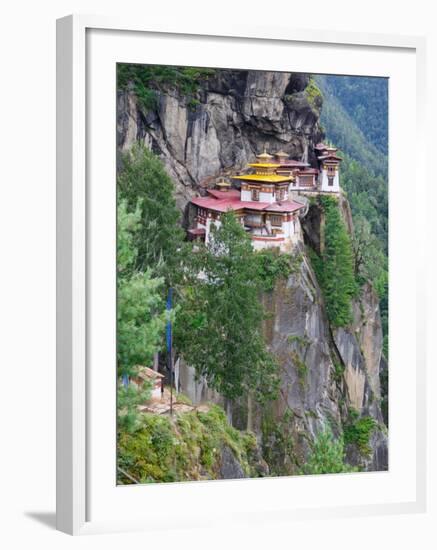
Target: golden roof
{"x": 266, "y": 178}
{"x": 282, "y": 154}
{"x": 264, "y": 155}
{"x": 264, "y": 165}
{"x": 223, "y": 183}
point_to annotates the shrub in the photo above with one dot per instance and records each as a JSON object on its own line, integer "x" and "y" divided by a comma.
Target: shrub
{"x": 327, "y": 455}
{"x": 272, "y": 265}
{"x": 357, "y": 431}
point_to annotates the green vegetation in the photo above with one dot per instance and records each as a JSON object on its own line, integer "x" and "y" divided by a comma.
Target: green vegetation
{"x": 342, "y": 127}
{"x": 128, "y": 399}
{"x": 146, "y": 80}
{"x": 145, "y": 186}
{"x": 327, "y": 455}
{"x": 357, "y": 431}
{"x": 301, "y": 368}
{"x": 186, "y": 447}
{"x": 140, "y": 317}
{"x": 365, "y": 100}
{"x": 314, "y": 95}
{"x": 222, "y": 313}
{"x": 338, "y": 370}
{"x": 272, "y": 265}
{"x": 297, "y": 356}
{"x": 368, "y": 197}
{"x": 355, "y": 115}
{"x": 334, "y": 267}
{"x": 278, "y": 448}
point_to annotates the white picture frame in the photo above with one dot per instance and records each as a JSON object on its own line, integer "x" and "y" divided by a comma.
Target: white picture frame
{"x": 77, "y": 305}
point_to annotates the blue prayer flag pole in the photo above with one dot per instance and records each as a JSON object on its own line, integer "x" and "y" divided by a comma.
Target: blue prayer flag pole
{"x": 169, "y": 342}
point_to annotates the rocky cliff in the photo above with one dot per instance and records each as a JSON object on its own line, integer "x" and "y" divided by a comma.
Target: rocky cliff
{"x": 325, "y": 372}
{"x": 236, "y": 114}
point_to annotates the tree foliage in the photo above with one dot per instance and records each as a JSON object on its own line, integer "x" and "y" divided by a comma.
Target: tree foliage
{"x": 140, "y": 317}
{"x": 370, "y": 262}
{"x": 368, "y": 197}
{"x": 335, "y": 267}
{"x": 144, "y": 184}
{"x": 365, "y": 100}
{"x": 219, "y": 330}
{"x": 128, "y": 398}
{"x": 343, "y": 130}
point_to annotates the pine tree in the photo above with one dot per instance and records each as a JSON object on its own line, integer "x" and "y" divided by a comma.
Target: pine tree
{"x": 335, "y": 268}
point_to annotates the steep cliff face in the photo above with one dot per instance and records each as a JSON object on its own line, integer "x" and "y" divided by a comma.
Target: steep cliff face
{"x": 235, "y": 115}
{"x": 324, "y": 372}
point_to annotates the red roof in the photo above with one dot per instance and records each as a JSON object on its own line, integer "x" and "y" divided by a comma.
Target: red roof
{"x": 232, "y": 193}
{"x": 284, "y": 206}
{"x": 231, "y": 203}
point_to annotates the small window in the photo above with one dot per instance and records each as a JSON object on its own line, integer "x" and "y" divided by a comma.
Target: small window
{"x": 255, "y": 194}
{"x": 276, "y": 220}
{"x": 330, "y": 181}
{"x": 280, "y": 195}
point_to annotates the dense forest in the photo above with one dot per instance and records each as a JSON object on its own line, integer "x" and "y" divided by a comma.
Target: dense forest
{"x": 364, "y": 99}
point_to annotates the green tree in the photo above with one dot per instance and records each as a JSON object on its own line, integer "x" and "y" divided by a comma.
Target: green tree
{"x": 219, "y": 330}
{"x": 327, "y": 455}
{"x": 140, "y": 317}
{"x": 334, "y": 267}
{"x": 140, "y": 321}
{"x": 369, "y": 258}
{"x": 159, "y": 237}
{"x": 140, "y": 308}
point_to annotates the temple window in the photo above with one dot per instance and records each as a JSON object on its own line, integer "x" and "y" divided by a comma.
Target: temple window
{"x": 255, "y": 194}
{"x": 276, "y": 220}
{"x": 306, "y": 181}
{"x": 280, "y": 194}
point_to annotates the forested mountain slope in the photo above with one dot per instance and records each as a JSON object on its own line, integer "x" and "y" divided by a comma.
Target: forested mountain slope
{"x": 355, "y": 118}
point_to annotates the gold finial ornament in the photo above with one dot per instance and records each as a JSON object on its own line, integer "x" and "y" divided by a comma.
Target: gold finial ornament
{"x": 264, "y": 156}
{"x": 223, "y": 185}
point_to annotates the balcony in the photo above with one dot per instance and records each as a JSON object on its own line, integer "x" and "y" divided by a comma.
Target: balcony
{"x": 249, "y": 222}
